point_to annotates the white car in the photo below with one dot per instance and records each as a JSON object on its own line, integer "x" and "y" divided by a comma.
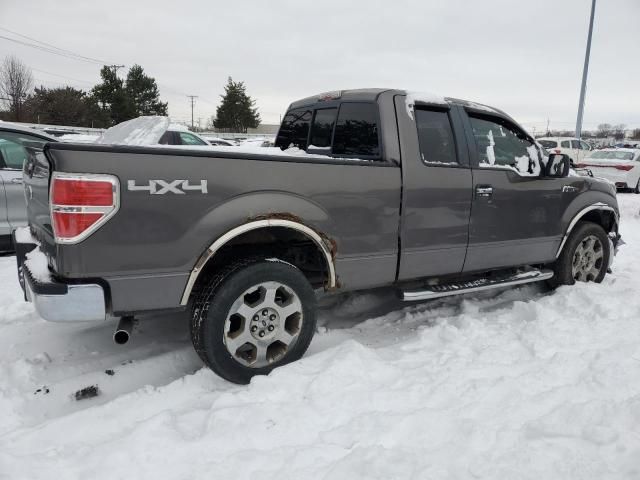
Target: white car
{"x": 618, "y": 165}
{"x": 574, "y": 147}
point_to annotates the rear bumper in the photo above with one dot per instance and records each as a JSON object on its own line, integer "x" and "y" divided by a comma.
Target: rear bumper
{"x": 54, "y": 300}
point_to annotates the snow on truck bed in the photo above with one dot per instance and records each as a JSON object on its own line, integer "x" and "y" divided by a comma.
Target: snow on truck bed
{"x": 519, "y": 383}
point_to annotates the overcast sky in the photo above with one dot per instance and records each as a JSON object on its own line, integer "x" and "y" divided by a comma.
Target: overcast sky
{"x": 524, "y": 56}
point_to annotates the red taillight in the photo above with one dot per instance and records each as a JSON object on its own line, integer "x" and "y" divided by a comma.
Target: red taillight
{"x": 626, "y": 168}
{"x": 556, "y": 150}
{"x": 80, "y": 204}
{"x": 69, "y": 225}
{"x": 81, "y": 192}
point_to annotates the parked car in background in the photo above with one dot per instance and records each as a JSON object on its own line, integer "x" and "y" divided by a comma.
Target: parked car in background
{"x": 220, "y": 142}
{"x": 178, "y": 135}
{"x": 618, "y": 165}
{"x": 15, "y": 140}
{"x": 575, "y": 148}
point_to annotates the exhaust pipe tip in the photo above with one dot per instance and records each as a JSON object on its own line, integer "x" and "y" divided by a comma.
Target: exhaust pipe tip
{"x": 121, "y": 337}
{"x": 122, "y": 333}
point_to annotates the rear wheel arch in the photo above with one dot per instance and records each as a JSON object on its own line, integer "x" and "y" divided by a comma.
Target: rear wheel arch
{"x": 285, "y": 239}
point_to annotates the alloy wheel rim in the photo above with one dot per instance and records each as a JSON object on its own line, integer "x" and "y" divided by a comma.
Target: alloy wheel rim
{"x": 588, "y": 259}
{"x": 263, "y": 324}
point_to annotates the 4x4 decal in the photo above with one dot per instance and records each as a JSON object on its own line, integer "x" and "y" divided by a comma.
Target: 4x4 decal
{"x": 161, "y": 187}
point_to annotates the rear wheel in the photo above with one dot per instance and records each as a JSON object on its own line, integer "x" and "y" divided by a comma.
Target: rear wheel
{"x": 585, "y": 256}
{"x": 254, "y": 316}
{"x": 637, "y": 189}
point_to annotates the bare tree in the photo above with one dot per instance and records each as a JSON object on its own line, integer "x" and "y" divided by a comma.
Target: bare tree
{"x": 16, "y": 82}
{"x": 604, "y": 130}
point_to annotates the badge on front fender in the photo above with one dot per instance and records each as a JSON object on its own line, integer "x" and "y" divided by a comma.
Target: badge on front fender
{"x": 162, "y": 187}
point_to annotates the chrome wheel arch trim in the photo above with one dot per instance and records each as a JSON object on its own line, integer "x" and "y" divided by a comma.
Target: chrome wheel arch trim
{"x": 579, "y": 215}
{"x": 254, "y": 225}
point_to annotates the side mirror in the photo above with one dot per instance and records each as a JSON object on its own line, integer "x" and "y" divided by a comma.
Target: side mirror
{"x": 558, "y": 166}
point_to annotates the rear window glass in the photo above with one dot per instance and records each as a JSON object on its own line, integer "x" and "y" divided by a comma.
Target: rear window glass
{"x": 612, "y": 155}
{"x": 548, "y": 143}
{"x": 565, "y": 144}
{"x": 294, "y": 129}
{"x": 322, "y": 128}
{"x": 356, "y": 132}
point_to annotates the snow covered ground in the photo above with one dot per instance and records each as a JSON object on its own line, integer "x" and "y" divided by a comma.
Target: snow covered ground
{"x": 513, "y": 384}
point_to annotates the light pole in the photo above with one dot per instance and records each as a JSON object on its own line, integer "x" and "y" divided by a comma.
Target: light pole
{"x": 584, "y": 73}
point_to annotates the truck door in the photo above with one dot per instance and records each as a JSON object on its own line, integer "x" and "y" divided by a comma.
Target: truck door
{"x": 516, "y": 213}
{"x": 437, "y": 190}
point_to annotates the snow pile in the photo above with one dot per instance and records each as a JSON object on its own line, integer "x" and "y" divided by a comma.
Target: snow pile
{"x": 38, "y": 265}
{"x": 78, "y": 138}
{"x": 138, "y": 131}
{"x": 513, "y": 384}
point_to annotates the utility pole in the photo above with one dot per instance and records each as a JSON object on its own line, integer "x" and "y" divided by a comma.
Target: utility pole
{"x": 584, "y": 73}
{"x": 115, "y": 68}
{"x": 193, "y": 102}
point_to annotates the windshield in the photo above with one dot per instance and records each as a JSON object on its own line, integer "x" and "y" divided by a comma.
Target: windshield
{"x": 548, "y": 143}
{"x": 612, "y": 155}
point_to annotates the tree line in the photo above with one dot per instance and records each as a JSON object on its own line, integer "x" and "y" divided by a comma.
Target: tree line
{"x": 111, "y": 101}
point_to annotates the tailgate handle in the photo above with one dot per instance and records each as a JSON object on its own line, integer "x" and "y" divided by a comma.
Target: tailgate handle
{"x": 484, "y": 191}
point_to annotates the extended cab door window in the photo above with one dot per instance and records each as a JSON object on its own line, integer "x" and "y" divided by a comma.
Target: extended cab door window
{"x": 322, "y": 130}
{"x": 294, "y": 129}
{"x": 435, "y": 136}
{"x": 502, "y": 145}
{"x": 356, "y": 131}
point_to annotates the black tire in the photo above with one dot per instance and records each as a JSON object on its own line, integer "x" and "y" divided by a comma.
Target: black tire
{"x": 212, "y": 308}
{"x": 637, "y": 189}
{"x": 563, "y": 268}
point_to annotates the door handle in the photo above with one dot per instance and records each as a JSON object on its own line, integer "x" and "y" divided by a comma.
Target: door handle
{"x": 484, "y": 191}
{"x": 16, "y": 180}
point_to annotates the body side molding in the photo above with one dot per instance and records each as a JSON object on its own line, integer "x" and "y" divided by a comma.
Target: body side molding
{"x": 247, "y": 227}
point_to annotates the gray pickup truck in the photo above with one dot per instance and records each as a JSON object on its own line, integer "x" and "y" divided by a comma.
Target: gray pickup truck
{"x": 365, "y": 188}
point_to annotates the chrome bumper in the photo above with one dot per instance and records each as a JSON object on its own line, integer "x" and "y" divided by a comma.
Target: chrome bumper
{"x": 58, "y": 301}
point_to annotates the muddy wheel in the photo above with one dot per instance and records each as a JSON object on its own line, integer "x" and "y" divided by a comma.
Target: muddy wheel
{"x": 254, "y": 316}
{"x": 585, "y": 257}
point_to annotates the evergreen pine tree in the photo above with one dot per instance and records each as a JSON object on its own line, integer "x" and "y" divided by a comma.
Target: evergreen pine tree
{"x": 237, "y": 111}
{"x": 143, "y": 93}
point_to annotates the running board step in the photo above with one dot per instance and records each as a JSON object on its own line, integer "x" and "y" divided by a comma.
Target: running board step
{"x": 448, "y": 289}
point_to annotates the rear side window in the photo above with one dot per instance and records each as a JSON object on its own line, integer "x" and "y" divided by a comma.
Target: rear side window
{"x": 565, "y": 144}
{"x": 294, "y": 129}
{"x": 356, "y": 131}
{"x": 548, "y": 143}
{"x": 322, "y": 128}
{"x": 188, "y": 139}
{"x": 437, "y": 145}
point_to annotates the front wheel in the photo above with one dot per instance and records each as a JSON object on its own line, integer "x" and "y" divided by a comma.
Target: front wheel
{"x": 252, "y": 317}
{"x": 585, "y": 256}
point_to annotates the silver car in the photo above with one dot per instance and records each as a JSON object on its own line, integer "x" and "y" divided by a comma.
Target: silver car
{"x": 14, "y": 142}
